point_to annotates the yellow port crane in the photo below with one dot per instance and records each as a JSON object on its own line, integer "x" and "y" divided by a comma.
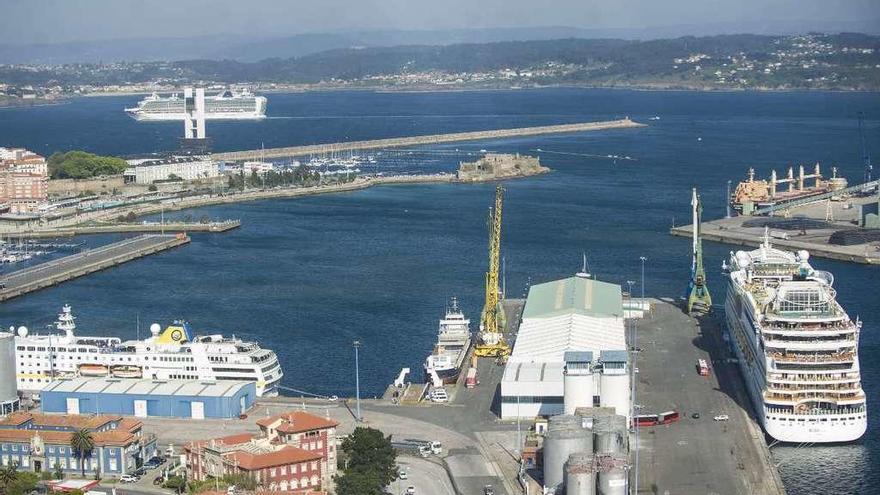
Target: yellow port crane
{"x": 491, "y": 341}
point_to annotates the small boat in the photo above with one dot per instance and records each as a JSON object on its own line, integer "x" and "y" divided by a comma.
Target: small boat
{"x": 93, "y": 370}
{"x": 126, "y": 371}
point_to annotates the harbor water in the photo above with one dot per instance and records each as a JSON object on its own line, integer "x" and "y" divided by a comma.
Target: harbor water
{"x": 308, "y": 276}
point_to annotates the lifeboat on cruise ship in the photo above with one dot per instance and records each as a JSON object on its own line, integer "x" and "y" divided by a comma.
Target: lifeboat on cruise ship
{"x": 126, "y": 371}
{"x": 94, "y": 370}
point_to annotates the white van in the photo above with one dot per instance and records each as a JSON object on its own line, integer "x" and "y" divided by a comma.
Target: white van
{"x": 439, "y": 395}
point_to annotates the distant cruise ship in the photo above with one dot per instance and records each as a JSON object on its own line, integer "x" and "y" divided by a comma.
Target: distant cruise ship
{"x": 224, "y": 105}
{"x": 797, "y": 347}
{"x": 167, "y": 355}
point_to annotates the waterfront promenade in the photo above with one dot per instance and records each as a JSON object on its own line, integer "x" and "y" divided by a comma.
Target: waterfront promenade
{"x": 54, "y": 272}
{"x": 319, "y": 149}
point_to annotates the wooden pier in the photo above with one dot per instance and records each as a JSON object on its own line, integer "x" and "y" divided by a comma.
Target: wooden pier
{"x": 70, "y": 267}
{"x": 317, "y": 149}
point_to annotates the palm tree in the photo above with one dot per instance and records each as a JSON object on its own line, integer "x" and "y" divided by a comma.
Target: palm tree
{"x": 82, "y": 443}
{"x": 8, "y": 474}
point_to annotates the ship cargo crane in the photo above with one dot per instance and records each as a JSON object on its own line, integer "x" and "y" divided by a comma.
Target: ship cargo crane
{"x": 698, "y": 300}
{"x": 490, "y": 342}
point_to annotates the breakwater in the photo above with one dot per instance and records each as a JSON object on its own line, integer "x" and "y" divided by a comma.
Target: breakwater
{"x": 317, "y": 149}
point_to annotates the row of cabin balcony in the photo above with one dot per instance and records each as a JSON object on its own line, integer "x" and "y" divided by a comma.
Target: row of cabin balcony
{"x": 796, "y": 398}
{"x": 806, "y": 357}
{"x": 788, "y": 388}
{"x": 814, "y": 378}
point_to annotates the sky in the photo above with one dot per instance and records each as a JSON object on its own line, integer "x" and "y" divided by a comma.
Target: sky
{"x": 59, "y": 21}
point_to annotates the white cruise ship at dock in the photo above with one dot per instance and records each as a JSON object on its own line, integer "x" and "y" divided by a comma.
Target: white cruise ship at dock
{"x": 226, "y": 105}
{"x": 797, "y": 347}
{"x": 172, "y": 354}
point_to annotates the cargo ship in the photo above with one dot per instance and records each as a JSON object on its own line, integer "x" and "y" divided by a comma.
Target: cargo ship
{"x": 797, "y": 348}
{"x": 752, "y": 194}
{"x": 170, "y": 354}
{"x": 453, "y": 342}
{"x": 228, "y": 105}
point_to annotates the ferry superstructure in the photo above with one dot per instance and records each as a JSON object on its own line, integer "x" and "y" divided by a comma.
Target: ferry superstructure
{"x": 453, "y": 342}
{"x": 174, "y": 353}
{"x": 797, "y": 347}
{"x": 230, "y": 105}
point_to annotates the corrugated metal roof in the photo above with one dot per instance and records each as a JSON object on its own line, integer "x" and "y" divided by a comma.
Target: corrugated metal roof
{"x": 614, "y": 356}
{"x": 574, "y": 295}
{"x": 578, "y": 356}
{"x": 195, "y": 388}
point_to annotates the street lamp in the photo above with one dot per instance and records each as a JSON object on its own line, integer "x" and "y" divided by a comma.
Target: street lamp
{"x": 357, "y": 379}
{"x": 643, "y": 259}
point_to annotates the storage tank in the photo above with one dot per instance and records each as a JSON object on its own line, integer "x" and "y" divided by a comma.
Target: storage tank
{"x": 8, "y": 385}
{"x": 579, "y": 474}
{"x": 610, "y": 434}
{"x": 578, "y": 381}
{"x": 559, "y": 444}
{"x": 612, "y": 482}
{"x": 563, "y": 422}
{"x": 615, "y": 392}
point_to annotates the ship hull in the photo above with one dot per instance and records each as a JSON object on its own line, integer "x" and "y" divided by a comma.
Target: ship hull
{"x": 178, "y": 116}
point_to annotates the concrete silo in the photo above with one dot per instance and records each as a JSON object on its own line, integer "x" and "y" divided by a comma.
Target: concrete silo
{"x": 8, "y": 386}
{"x": 559, "y": 445}
{"x": 578, "y": 381}
{"x": 610, "y": 435}
{"x": 580, "y": 474}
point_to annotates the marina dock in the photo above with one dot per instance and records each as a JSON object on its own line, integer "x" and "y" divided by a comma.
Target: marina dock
{"x": 70, "y": 267}
{"x": 696, "y": 455}
{"x": 318, "y": 149}
{"x": 806, "y": 226}
{"x": 128, "y": 228}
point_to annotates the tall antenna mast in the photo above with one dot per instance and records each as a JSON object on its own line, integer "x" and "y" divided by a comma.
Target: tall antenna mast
{"x": 866, "y": 158}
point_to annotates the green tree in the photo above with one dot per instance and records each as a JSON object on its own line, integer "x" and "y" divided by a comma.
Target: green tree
{"x": 9, "y": 474}
{"x": 58, "y": 473}
{"x": 370, "y": 463}
{"x": 176, "y": 483}
{"x": 82, "y": 165}
{"x": 83, "y": 444}
{"x": 359, "y": 483}
{"x": 152, "y": 188}
{"x": 24, "y": 484}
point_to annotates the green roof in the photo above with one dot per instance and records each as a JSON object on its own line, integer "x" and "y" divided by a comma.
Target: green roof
{"x": 574, "y": 295}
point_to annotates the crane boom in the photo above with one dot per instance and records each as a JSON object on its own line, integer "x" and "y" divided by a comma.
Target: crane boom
{"x": 491, "y": 342}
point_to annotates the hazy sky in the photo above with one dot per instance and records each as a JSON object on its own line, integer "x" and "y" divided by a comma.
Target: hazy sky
{"x": 34, "y": 21}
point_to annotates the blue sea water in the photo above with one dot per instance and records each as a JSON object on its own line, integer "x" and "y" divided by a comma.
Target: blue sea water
{"x": 308, "y": 276}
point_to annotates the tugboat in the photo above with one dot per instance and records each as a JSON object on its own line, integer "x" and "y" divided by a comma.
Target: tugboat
{"x": 453, "y": 342}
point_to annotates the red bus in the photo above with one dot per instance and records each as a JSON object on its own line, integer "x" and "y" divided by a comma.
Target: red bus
{"x": 668, "y": 417}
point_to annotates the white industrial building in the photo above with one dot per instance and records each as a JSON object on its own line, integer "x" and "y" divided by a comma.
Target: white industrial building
{"x": 570, "y": 351}
{"x": 189, "y": 167}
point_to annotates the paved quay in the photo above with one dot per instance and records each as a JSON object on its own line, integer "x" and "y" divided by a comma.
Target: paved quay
{"x": 317, "y": 149}
{"x": 129, "y": 228}
{"x": 77, "y": 265}
{"x": 696, "y": 456}
{"x": 814, "y": 238}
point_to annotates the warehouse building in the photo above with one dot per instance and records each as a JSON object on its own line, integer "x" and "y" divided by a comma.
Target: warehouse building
{"x": 149, "y": 398}
{"x": 568, "y": 325}
{"x": 188, "y": 167}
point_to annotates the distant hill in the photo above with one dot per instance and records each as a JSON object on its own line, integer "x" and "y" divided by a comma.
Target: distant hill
{"x": 255, "y": 47}
{"x": 841, "y": 61}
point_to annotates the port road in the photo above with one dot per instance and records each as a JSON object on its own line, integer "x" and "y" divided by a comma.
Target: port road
{"x": 89, "y": 261}
{"x": 696, "y": 455}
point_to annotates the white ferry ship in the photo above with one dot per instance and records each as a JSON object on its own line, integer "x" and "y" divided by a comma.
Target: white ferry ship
{"x": 224, "y": 105}
{"x": 453, "y": 342}
{"x": 166, "y": 355}
{"x": 797, "y": 347}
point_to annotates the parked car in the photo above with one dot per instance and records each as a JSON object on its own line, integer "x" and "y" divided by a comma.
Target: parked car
{"x": 722, "y": 417}
{"x": 401, "y": 473}
{"x": 128, "y": 478}
{"x": 488, "y": 490}
{"x": 410, "y": 490}
{"x": 436, "y": 448}
{"x": 158, "y": 480}
{"x": 439, "y": 395}
{"x": 695, "y": 415}
{"x": 140, "y": 471}
{"x": 424, "y": 451}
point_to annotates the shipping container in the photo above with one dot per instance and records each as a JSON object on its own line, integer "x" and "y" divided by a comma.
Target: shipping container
{"x": 471, "y": 380}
